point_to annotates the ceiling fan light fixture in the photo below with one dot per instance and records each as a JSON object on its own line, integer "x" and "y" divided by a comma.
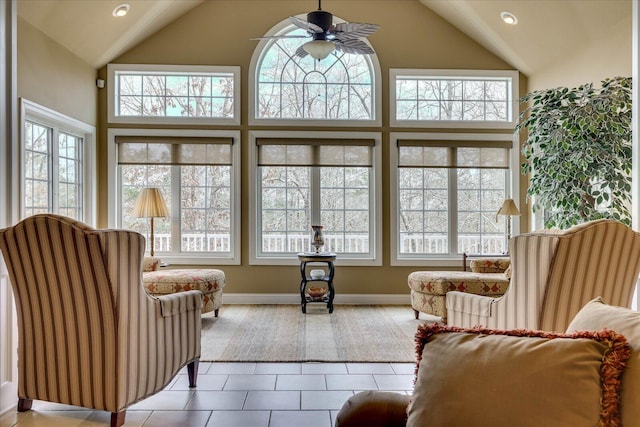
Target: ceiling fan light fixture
{"x": 509, "y": 18}
{"x": 319, "y": 49}
{"x": 121, "y": 10}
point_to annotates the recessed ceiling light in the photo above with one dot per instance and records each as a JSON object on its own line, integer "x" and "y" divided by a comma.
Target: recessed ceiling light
{"x": 121, "y": 10}
{"x": 509, "y": 18}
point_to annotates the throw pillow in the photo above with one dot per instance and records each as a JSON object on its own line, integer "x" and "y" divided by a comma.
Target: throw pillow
{"x": 150, "y": 263}
{"x": 484, "y": 377}
{"x": 597, "y": 315}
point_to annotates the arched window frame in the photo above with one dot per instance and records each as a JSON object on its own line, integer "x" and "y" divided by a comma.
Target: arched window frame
{"x": 283, "y": 27}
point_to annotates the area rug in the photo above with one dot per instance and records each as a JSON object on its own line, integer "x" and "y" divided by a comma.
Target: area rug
{"x": 282, "y": 333}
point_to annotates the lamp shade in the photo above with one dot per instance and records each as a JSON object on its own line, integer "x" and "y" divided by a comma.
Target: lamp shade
{"x": 508, "y": 208}
{"x": 150, "y": 204}
{"x": 319, "y": 49}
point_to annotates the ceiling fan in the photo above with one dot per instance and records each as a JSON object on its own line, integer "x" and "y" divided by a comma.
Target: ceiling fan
{"x": 327, "y": 36}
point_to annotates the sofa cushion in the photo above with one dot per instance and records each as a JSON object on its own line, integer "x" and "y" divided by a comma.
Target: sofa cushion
{"x": 597, "y": 315}
{"x": 495, "y": 378}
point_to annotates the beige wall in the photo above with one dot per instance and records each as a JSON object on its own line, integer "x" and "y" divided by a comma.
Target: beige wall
{"x": 593, "y": 61}
{"x": 219, "y": 33}
{"x": 50, "y": 75}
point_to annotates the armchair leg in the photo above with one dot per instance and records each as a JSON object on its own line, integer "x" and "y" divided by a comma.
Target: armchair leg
{"x": 192, "y": 371}
{"x": 24, "y": 404}
{"x": 417, "y": 313}
{"x": 117, "y": 418}
{"x": 215, "y": 312}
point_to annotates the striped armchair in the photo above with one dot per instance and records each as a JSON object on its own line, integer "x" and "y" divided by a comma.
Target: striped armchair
{"x": 88, "y": 333}
{"x": 553, "y": 275}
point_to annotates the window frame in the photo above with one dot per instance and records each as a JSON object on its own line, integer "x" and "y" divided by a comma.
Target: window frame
{"x": 46, "y": 117}
{"x": 113, "y": 186}
{"x": 375, "y": 210}
{"x": 253, "y": 83}
{"x": 443, "y": 260}
{"x": 112, "y": 69}
{"x": 394, "y": 73}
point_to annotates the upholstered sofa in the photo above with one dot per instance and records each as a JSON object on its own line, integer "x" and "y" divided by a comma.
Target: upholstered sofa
{"x": 488, "y": 277}
{"x": 586, "y": 377}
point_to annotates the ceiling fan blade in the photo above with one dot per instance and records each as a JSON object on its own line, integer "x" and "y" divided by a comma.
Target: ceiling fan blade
{"x": 353, "y": 46}
{"x": 280, "y": 37}
{"x": 307, "y": 26}
{"x": 354, "y": 30}
{"x": 300, "y": 52}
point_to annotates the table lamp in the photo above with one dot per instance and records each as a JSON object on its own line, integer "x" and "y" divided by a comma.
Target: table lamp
{"x": 150, "y": 204}
{"x": 508, "y": 209}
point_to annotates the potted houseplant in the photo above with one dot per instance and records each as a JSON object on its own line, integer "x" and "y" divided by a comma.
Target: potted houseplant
{"x": 578, "y": 152}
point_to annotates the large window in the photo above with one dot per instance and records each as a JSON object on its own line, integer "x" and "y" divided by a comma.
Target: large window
{"x": 197, "y": 174}
{"x": 343, "y": 88}
{"x": 55, "y": 174}
{"x": 453, "y": 98}
{"x": 178, "y": 94}
{"x": 303, "y": 181}
{"x": 448, "y": 189}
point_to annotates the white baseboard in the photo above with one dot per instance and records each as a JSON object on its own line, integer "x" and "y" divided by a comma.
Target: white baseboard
{"x": 8, "y": 396}
{"x": 355, "y": 299}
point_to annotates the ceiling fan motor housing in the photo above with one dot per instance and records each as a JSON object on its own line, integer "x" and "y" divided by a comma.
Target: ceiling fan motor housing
{"x": 321, "y": 18}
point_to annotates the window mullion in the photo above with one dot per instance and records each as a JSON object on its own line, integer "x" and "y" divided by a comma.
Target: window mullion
{"x": 315, "y": 196}
{"x": 453, "y": 211}
{"x": 54, "y": 168}
{"x": 176, "y": 212}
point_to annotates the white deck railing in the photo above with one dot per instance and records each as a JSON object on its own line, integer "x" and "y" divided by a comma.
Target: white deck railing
{"x": 279, "y": 243}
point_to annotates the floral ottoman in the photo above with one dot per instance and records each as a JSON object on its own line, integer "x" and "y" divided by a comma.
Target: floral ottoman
{"x": 429, "y": 288}
{"x": 209, "y": 281}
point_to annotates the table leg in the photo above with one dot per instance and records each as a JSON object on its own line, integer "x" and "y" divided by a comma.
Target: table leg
{"x": 303, "y": 285}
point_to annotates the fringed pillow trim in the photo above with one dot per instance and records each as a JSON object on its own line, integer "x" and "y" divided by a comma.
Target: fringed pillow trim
{"x": 614, "y": 359}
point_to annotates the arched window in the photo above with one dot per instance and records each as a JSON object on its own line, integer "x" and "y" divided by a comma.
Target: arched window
{"x": 330, "y": 178}
{"x": 342, "y": 87}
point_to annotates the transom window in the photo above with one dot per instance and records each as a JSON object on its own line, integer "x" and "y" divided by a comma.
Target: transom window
{"x": 437, "y": 97}
{"x": 185, "y": 94}
{"x": 341, "y": 88}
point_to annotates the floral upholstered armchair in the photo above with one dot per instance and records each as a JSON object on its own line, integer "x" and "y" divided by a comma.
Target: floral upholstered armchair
{"x": 88, "y": 333}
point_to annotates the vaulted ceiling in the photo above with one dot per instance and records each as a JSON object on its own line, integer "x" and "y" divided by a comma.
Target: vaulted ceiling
{"x": 547, "y": 29}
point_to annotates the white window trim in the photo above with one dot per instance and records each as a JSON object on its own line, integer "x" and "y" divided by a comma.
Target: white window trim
{"x": 113, "y": 118}
{"x": 377, "y": 89}
{"x": 376, "y": 181}
{"x": 47, "y": 117}
{"x": 456, "y": 124}
{"x": 113, "y": 184}
{"x": 513, "y": 188}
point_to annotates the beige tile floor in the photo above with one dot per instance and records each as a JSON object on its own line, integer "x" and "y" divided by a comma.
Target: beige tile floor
{"x": 239, "y": 395}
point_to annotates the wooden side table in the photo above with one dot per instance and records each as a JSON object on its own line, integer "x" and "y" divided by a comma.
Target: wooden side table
{"x": 320, "y": 258}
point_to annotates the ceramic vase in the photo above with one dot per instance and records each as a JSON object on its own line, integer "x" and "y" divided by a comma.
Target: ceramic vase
{"x": 317, "y": 240}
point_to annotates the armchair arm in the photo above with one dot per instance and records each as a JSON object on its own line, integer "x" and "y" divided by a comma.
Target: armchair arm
{"x": 374, "y": 409}
{"x": 468, "y": 310}
{"x": 173, "y": 304}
